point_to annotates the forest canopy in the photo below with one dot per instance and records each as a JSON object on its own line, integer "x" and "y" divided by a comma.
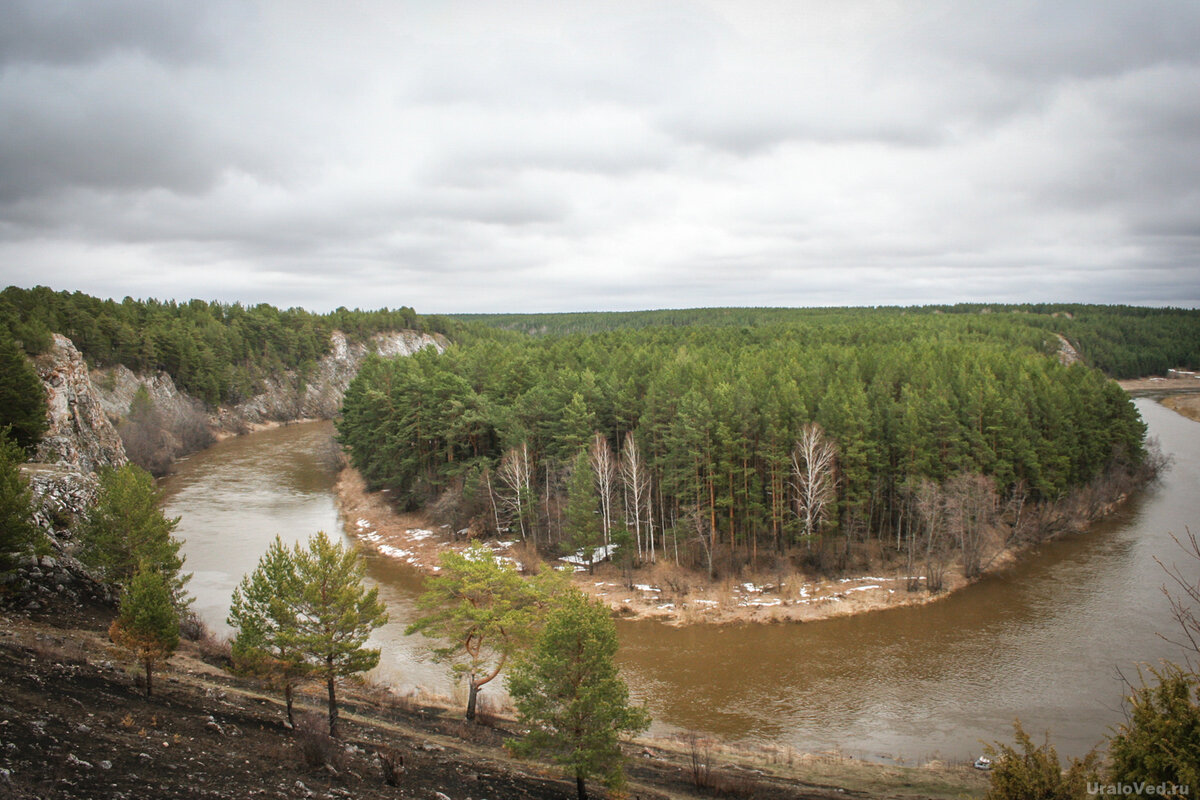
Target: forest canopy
{"x": 218, "y": 352}
{"x": 714, "y": 412}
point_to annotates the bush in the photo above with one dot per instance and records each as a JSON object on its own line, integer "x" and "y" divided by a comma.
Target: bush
{"x": 1161, "y": 741}
{"x": 1026, "y": 772}
{"x": 316, "y": 747}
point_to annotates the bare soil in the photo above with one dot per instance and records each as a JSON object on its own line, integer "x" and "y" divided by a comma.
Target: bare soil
{"x": 75, "y": 723}
{"x": 1186, "y": 404}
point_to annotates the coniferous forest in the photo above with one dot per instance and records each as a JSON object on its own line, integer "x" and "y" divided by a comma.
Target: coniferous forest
{"x": 755, "y": 430}
{"x": 217, "y": 352}
{"x": 733, "y": 431}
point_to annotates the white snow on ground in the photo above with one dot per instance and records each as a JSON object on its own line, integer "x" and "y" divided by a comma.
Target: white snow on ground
{"x": 417, "y": 534}
{"x": 707, "y": 602}
{"x": 862, "y": 588}
{"x": 761, "y": 603}
{"x": 599, "y": 554}
{"x": 750, "y": 587}
{"x": 363, "y": 524}
{"x": 645, "y": 587}
{"x": 666, "y": 606}
{"x": 394, "y": 552}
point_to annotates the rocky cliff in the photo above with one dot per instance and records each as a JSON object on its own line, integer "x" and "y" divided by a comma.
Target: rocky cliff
{"x": 80, "y": 434}
{"x": 86, "y": 409}
{"x": 318, "y": 395}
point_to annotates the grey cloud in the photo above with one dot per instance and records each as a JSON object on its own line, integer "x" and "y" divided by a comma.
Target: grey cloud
{"x": 1070, "y": 38}
{"x": 82, "y": 31}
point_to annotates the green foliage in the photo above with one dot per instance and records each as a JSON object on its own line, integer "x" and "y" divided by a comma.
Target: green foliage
{"x": 1123, "y": 341}
{"x": 18, "y": 534}
{"x": 22, "y": 398}
{"x": 264, "y": 617}
{"x": 1029, "y": 772}
{"x": 147, "y": 625}
{"x": 716, "y": 410}
{"x": 334, "y": 613}
{"x": 218, "y": 352}
{"x": 570, "y": 695}
{"x": 126, "y": 532}
{"x": 481, "y": 612}
{"x": 1160, "y": 742}
{"x": 583, "y": 509}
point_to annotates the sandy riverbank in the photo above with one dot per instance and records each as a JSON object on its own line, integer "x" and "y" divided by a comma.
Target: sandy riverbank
{"x": 664, "y": 592}
{"x": 1186, "y": 404}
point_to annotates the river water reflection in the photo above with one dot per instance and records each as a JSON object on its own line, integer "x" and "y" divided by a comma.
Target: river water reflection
{"x": 1045, "y": 641}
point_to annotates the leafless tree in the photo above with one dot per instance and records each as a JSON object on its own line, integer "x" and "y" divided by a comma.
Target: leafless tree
{"x": 1185, "y": 604}
{"x": 814, "y": 477}
{"x": 516, "y": 494}
{"x": 604, "y": 469}
{"x": 636, "y": 480}
{"x": 970, "y": 511}
{"x": 931, "y": 509}
{"x": 704, "y": 535}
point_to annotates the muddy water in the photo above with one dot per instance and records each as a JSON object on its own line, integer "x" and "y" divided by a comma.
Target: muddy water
{"x": 1046, "y": 641}
{"x": 236, "y": 496}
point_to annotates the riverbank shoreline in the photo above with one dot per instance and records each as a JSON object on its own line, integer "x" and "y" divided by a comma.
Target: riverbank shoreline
{"x": 664, "y": 592}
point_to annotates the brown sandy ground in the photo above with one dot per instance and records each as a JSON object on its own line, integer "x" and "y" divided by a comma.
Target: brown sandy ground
{"x": 664, "y": 592}
{"x": 75, "y": 723}
{"x": 1186, "y": 404}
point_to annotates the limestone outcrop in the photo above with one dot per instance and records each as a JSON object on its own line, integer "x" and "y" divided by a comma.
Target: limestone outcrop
{"x": 79, "y": 433}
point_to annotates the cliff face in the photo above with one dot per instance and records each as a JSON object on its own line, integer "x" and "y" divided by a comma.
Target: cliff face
{"x": 85, "y": 409}
{"x": 79, "y": 434}
{"x": 285, "y": 398}
{"x": 319, "y": 395}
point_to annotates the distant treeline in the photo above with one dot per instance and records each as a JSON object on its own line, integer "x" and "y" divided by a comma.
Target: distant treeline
{"x": 218, "y": 352}
{"x": 1123, "y": 341}
{"x": 714, "y": 414}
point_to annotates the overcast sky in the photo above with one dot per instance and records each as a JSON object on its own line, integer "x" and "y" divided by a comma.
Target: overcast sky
{"x": 565, "y": 155}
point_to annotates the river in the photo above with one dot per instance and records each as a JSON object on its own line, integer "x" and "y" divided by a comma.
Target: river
{"x": 1046, "y": 641}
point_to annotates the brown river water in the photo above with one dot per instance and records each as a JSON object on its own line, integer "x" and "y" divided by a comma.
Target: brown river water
{"x": 1045, "y": 641}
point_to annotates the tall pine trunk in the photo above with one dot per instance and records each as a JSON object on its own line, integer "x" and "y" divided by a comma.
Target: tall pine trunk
{"x": 333, "y": 710}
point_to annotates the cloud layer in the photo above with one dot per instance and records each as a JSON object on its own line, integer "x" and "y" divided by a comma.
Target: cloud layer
{"x": 535, "y": 156}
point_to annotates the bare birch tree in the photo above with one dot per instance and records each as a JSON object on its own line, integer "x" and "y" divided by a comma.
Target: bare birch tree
{"x": 814, "y": 477}
{"x": 971, "y": 510}
{"x": 931, "y": 509}
{"x": 604, "y": 468}
{"x": 636, "y": 480}
{"x": 516, "y": 495}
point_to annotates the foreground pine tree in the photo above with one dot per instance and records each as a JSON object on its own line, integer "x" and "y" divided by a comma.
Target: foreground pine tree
{"x": 126, "y": 531}
{"x": 18, "y": 534}
{"x": 264, "y": 616}
{"x": 480, "y": 612}
{"x": 570, "y": 695}
{"x": 334, "y": 614}
{"x": 147, "y": 625}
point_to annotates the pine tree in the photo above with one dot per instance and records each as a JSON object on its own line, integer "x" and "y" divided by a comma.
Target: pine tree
{"x": 22, "y": 398}
{"x": 126, "y": 531}
{"x": 264, "y": 616}
{"x": 17, "y": 531}
{"x": 1160, "y": 742}
{"x": 335, "y": 614}
{"x": 570, "y": 695}
{"x": 484, "y": 611}
{"x": 583, "y": 516}
{"x": 148, "y": 623}
{"x": 1029, "y": 772}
